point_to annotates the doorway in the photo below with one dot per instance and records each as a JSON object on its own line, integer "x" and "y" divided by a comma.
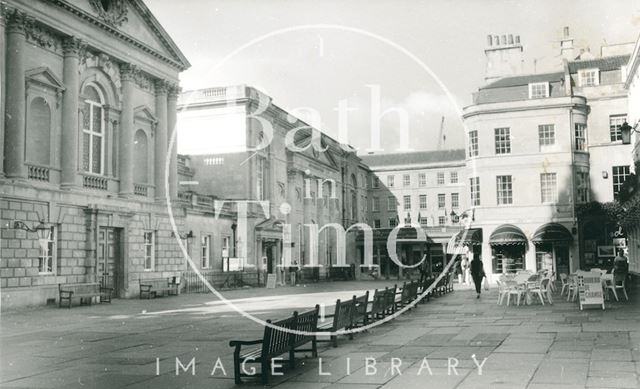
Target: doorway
{"x": 109, "y": 259}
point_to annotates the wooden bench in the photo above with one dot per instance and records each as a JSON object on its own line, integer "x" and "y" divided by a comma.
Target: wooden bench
{"x": 424, "y": 286}
{"x": 341, "y": 318}
{"x": 152, "y": 287}
{"x": 390, "y": 300}
{"x": 360, "y": 310}
{"x": 378, "y": 306}
{"x": 407, "y": 295}
{"x": 85, "y": 292}
{"x": 276, "y": 342}
{"x": 307, "y": 324}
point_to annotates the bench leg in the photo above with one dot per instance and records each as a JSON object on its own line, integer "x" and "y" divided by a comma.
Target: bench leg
{"x": 264, "y": 374}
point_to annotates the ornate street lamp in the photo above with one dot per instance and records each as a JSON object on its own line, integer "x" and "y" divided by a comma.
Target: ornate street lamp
{"x": 41, "y": 229}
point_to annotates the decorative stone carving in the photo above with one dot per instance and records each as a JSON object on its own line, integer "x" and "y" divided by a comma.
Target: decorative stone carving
{"x": 73, "y": 46}
{"x": 173, "y": 89}
{"x": 143, "y": 81}
{"x": 128, "y": 71}
{"x": 16, "y": 20}
{"x": 103, "y": 62}
{"x": 162, "y": 86}
{"x": 113, "y": 12}
{"x": 43, "y": 37}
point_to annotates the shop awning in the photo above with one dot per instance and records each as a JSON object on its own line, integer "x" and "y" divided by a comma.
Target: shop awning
{"x": 507, "y": 234}
{"x": 470, "y": 237}
{"x": 552, "y": 232}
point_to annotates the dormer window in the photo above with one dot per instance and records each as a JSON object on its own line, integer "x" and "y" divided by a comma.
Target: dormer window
{"x": 538, "y": 90}
{"x": 589, "y": 77}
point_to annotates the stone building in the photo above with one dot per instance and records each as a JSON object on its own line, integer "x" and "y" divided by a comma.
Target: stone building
{"x": 89, "y": 93}
{"x": 244, "y": 148}
{"x": 540, "y": 146}
{"x": 425, "y": 188}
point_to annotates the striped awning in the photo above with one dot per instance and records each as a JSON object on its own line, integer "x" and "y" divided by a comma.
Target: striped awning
{"x": 507, "y": 234}
{"x": 470, "y": 237}
{"x": 552, "y": 232}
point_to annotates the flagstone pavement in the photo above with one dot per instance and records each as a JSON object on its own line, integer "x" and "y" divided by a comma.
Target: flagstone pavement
{"x": 135, "y": 343}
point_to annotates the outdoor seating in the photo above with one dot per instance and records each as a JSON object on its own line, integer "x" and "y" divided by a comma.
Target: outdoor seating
{"x": 542, "y": 290}
{"x": 619, "y": 279}
{"x": 608, "y": 285}
{"x": 152, "y": 287}
{"x": 378, "y": 306}
{"x": 359, "y": 317}
{"x": 340, "y": 319}
{"x": 566, "y": 284}
{"x": 406, "y": 296}
{"x": 275, "y": 342}
{"x": 502, "y": 291}
{"x": 84, "y": 292}
{"x": 515, "y": 289}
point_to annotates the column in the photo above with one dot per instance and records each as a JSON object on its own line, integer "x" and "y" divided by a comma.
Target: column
{"x": 172, "y": 109}
{"x": 3, "y": 44}
{"x": 15, "y": 91}
{"x": 160, "y": 154}
{"x": 127, "y": 72}
{"x": 70, "y": 132}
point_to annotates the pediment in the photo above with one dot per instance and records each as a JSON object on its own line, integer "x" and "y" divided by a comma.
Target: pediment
{"x": 136, "y": 24}
{"x": 44, "y": 76}
{"x": 144, "y": 113}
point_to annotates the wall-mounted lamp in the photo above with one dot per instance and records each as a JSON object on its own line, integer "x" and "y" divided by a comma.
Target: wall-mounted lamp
{"x": 184, "y": 236}
{"x": 625, "y": 133}
{"x": 41, "y": 229}
{"x": 605, "y": 174}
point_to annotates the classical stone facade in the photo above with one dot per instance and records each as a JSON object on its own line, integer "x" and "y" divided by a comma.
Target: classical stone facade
{"x": 89, "y": 100}
{"x": 236, "y": 158}
{"x": 540, "y": 147}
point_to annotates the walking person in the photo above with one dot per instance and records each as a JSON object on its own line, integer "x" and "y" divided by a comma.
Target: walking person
{"x": 477, "y": 273}
{"x": 464, "y": 267}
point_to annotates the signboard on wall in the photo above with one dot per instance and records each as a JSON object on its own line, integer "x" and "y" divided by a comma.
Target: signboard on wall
{"x": 235, "y": 264}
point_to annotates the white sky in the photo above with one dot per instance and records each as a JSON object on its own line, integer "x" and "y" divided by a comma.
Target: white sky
{"x": 318, "y": 68}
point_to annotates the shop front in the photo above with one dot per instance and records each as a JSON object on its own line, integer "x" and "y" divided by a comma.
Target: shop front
{"x": 552, "y": 244}
{"x": 508, "y": 249}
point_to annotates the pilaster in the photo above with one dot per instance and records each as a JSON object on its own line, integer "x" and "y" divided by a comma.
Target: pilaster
{"x": 70, "y": 178}
{"x": 160, "y": 155}
{"x": 127, "y": 77}
{"x": 172, "y": 108}
{"x": 15, "y": 105}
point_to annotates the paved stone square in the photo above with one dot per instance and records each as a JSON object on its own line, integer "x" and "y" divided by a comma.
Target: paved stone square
{"x": 111, "y": 346}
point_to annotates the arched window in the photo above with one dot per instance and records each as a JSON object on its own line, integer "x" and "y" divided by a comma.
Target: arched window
{"x": 38, "y": 132}
{"x": 93, "y": 131}
{"x": 141, "y": 158}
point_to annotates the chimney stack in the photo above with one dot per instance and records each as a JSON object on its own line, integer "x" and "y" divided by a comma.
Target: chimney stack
{"x": 566, "y": 45}
{"x": 504, "y": 56}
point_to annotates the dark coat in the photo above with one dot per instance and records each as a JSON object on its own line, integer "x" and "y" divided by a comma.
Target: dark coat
{"x": 477, "y": 269}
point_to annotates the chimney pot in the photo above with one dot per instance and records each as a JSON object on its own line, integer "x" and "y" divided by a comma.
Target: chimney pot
{"x": 504, "y": 39}
{"x": 489, "y": 40}
{"x": 496, "y": 40}
{"x": 566, "y": 31}
{"x": 510, "y": 39}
